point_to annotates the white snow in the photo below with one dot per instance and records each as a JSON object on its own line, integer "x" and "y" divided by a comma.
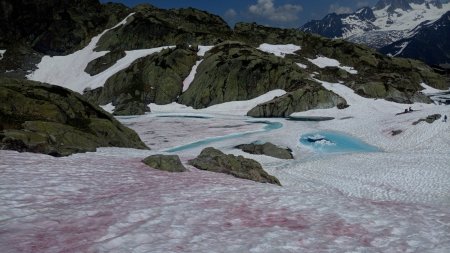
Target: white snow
{"x": 408, "y": 20}
{"x": 323, "y": 62}
{"x": 303, "y": 66}
{"x": 187, "y": 82}
{"x": 279, "y": 50}
{"x": 428, "y": 89}
{"x": 230, "y": 108}
{"x": 402, "y": 47}
{"x": 108, "y": 201}
{"x": 396, "y": 200}
{"x": 109, "y": 107}
{"x": 203, "y": 49}
{"x": 2, "y": 52}
{"x": 68, "y": 70}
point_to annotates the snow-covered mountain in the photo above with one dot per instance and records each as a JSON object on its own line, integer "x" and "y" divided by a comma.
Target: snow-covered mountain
{"x": 417, "y": 45}
{"x": 385, "y": 23}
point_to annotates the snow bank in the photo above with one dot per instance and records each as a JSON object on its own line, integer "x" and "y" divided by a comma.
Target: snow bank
{"x": 303, "y": 66}
{"x": 109, "y": 107}
{"x": 279, "y": 50}
{"x": 227, "y": 108}
{"x": 2, "y": 52}
{"x": 203, "y": 49}
{"x": 187, "y": 82}
{"x": 323, "y": 62}
{"x": 429, "y": 90}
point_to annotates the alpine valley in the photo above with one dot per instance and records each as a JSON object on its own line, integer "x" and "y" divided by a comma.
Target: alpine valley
{"x": 416, "y": 29}
{"x": 166, "y": 130}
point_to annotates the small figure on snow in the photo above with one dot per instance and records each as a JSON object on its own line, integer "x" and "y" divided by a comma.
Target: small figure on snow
{"x": 410, "y": 110}
{"x": 445, "y": 118}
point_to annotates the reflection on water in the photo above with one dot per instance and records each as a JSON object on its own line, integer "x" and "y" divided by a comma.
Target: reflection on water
{"x": 269, "y": 126}
{"x": 333, "y": 142}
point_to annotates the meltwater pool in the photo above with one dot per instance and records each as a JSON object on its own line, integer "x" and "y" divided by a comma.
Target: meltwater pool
{"x": 335, "y": 142}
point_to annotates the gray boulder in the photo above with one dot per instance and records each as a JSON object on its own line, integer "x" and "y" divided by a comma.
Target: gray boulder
{"x": 214, "y": 160}
{"x": 42, "y": 118}
{"x": 170, "y": 163}
{"x": 303, "y": 99}
{"x": 268, "y": 149}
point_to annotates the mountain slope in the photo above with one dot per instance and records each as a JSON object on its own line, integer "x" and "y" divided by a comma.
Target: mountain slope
{"x": 418, "y": 45}
{"x": 385, "y": 23}
{"x": 162, "y": 56}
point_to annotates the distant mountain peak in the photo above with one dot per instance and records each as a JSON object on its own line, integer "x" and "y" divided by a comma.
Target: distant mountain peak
{"x": 404, "y": 5}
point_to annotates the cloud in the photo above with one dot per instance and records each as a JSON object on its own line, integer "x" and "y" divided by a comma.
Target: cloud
{"x": 336, "y": 8}
{"x": 267, "y": 9}
{"x": 230, "y": 13}
{"x": 361, "y": 4}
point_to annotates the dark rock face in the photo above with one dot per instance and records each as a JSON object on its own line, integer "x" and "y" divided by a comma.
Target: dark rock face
{"x": 170, "y": 163}
{"x": 303, "y": 99}
{"x": 37, "y": 117}
{"x": 214, "y": 160}
{"x": 151, "y": 27}
{"x": 234, "y": 71}
{"x": 55, "y": 27}
{"x": 103, "y": 63}
{"x": 157, "y": 78}
{"x": 30, "y": 29}
{"x": 268, "y": 149}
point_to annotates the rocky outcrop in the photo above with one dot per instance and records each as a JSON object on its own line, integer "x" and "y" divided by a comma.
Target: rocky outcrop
{"x": 214, "y": 160}
{"x": 267, "y": 149}
{"x": 157, "y": 78}
{"x": 30, "y": 29}
{"x": 379, "y": 76}
{"x": 234, "y": 71}
{"x": 103, "y": 63}
{"x": 37, "y": 117}
{"x": 170, "y": 163}
{"x": 429, "y": 119}
{"x": 303, "y": 99}
{"x": 151, "y": 27}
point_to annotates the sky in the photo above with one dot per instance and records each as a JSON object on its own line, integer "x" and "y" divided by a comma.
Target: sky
{"x": 278, "y": 13}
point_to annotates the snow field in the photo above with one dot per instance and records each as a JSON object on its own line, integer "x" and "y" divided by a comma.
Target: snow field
{"x": 408, "y": 20}
{"x": 323, "y": 62}
{"x": 279, "y": 50}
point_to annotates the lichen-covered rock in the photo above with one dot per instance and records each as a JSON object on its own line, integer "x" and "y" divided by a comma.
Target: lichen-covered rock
{"x": 214, "y": 160}
{"x": 170, "y": 163}
{"x": 151, "y": 27}
{"x": 267, "y": 149}
{"x": 157, "y": 78}
{"x": 104, "y": 62}
{"x": 234, "y": 71}
{"x": 37, "y": 117}
{"x": 303, "y": 99}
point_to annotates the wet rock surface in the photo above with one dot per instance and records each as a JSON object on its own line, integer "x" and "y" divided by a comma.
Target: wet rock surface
{"x": 267, "y": 149}
{"x": 170, "y": 163}
{"x": 214, "y": 160}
